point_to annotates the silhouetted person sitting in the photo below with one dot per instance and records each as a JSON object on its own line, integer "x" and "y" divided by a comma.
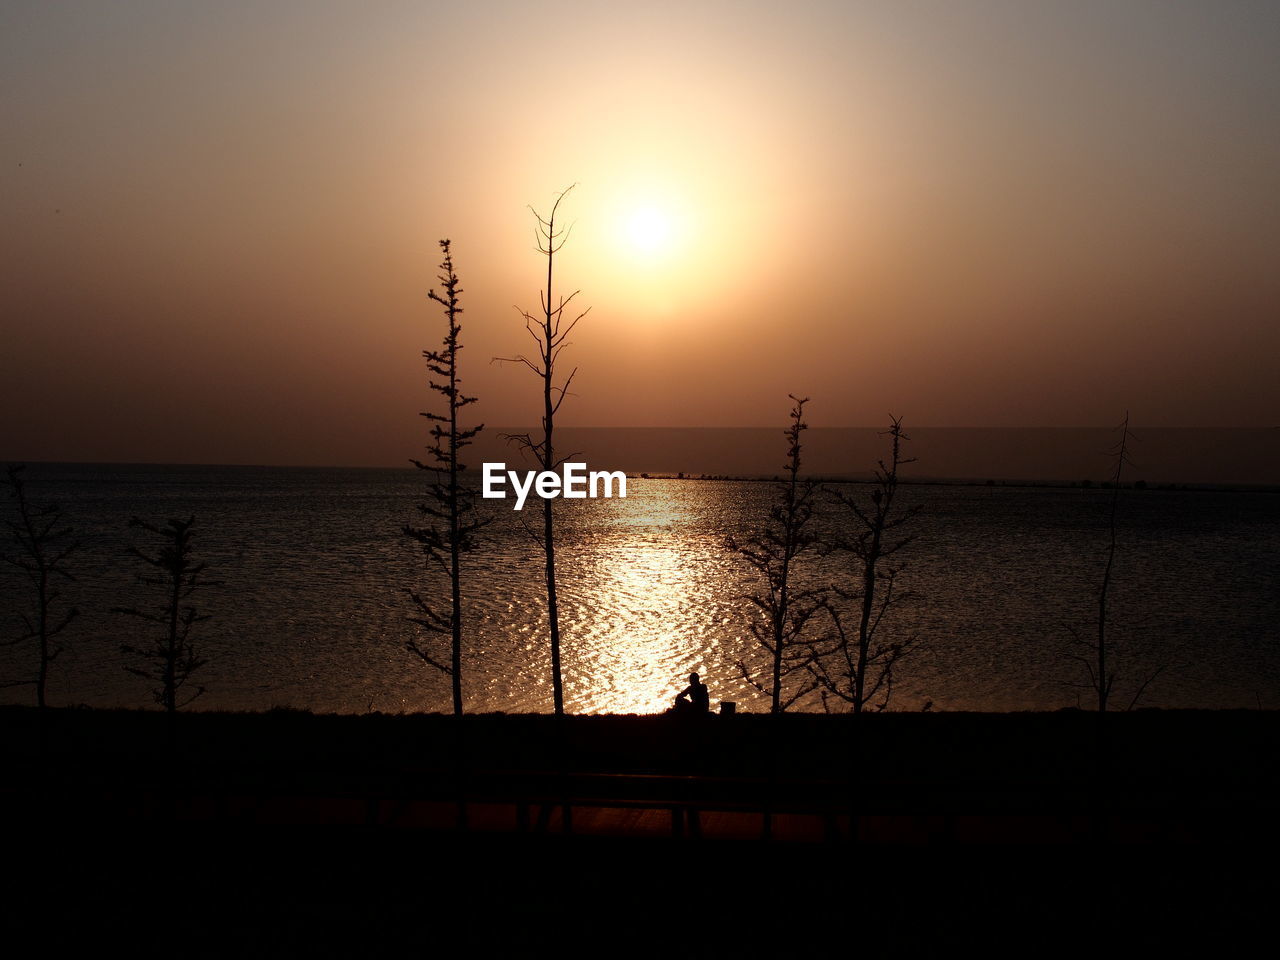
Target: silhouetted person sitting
{"x": 694, "y": 699}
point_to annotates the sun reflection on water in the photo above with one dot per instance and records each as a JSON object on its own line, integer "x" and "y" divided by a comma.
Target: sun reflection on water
{"x": 647, "y": 623}
{"x": 313, "y": 613}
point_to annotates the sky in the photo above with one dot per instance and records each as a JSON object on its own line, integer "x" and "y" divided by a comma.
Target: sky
{"x": 221, "y": 219}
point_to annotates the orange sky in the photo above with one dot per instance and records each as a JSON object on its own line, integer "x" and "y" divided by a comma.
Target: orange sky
{"x": 221, "y": 219}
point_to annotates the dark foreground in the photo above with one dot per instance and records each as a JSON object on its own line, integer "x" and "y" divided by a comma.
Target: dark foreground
{"x": 891, "y": 835}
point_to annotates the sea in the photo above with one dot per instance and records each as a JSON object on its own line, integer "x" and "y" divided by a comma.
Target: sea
{"x": 308, "y": 573}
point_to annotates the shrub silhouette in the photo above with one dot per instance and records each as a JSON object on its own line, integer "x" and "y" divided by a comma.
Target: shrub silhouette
{"x": 44, "y": 543}
{"x": 773, "y": 551}
{"x": 171, "y": 656}
{"x": 856, "y": 665}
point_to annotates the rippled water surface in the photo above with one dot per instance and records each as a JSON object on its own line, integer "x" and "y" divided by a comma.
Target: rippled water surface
{"x": 311, "y": 611}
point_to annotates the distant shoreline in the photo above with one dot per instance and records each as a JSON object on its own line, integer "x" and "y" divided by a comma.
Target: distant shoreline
{"x": 1138, "y": 485}
{"x": 1185, "y": 456}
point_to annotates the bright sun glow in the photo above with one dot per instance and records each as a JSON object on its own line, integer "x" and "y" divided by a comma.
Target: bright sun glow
{"x": 648, "y": 230}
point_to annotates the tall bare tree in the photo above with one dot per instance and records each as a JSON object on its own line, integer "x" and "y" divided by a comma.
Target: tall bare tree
{"x": 44, "y": 543}
{"x": 550, "y": 329}
{"x": 857, "y": 664}
{"x": 1098, "y": 656}
{"x": 170, "y": 656}
{"x": 450, "y": 507}
{"x": 774, "y": 551}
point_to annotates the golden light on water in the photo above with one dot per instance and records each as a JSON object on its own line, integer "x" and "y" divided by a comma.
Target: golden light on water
{"x": 647, "y": 624}
{"x": 643, "y": 665}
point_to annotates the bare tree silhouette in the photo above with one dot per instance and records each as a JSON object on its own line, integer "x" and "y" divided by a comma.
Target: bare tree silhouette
{"x": 1098, "y": 656}
{"x": 856, "y": 665}
{"x": 170, "y": 657}
{"x": 452, "y": 524}
{"x": 773, "y": 551}
{"x": 44, "y": 543}
{"x": 550, "y": 330}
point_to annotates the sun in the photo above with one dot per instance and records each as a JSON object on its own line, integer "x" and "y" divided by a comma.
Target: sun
{"x": 648, "y": 230}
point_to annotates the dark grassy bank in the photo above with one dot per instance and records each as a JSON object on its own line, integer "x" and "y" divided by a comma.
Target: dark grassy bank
{"x": 1238, "y": 747}
{"x": 1197, "y": 763}
{"x": 1235, "y": 747}
{"x": 286, "y": 833}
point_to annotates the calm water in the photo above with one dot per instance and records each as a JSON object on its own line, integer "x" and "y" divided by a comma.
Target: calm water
{"x": 311, "y": 610}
